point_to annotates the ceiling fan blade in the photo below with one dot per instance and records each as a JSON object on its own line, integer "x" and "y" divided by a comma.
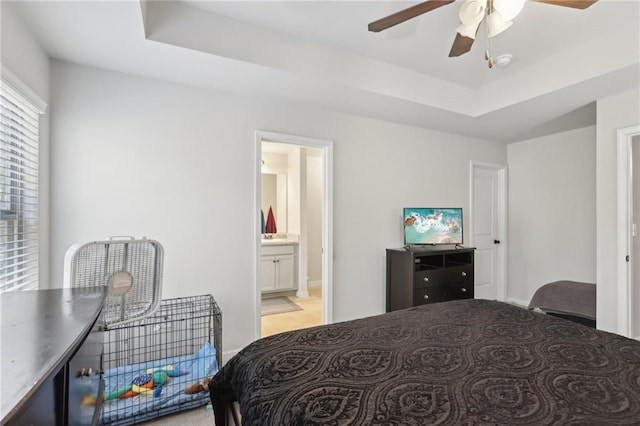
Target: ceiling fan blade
{"x": 406, "y": 14}
{"x": 576, "y": 4}
{"x": 461, "y": 45}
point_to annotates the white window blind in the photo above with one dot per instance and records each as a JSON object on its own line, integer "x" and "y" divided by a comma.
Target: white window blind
{"x": 18, "y": 191}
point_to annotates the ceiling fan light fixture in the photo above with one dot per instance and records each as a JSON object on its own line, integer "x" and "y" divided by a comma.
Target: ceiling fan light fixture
{"x": 496, "y": 25}
{"x": 472, "y": 12}
{"x": 503, "y": 61}
{"x": 508, "y": 9}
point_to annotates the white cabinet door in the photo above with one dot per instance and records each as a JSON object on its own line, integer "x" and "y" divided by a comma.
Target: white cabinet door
{"x": 268, "y": 273}
{"x": 285, "y": 270}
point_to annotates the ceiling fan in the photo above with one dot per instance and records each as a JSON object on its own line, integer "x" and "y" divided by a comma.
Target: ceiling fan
{"x": 498, "y": 13}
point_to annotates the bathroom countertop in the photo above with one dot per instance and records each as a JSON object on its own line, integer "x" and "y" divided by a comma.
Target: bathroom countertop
{"x": 279, "y": 242}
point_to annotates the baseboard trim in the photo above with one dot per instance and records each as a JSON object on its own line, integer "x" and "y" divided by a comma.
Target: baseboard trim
{"x": 522, "y": 303}
{"x": 227, "y": 355}
{"x": 314, "y": 283}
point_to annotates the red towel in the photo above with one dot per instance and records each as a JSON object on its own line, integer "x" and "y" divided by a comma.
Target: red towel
{"x": 271, "y": 223}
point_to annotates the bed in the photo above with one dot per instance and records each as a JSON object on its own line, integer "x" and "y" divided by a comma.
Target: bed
{"x": 459, "y": 362}
{"x": 570, "y": 300}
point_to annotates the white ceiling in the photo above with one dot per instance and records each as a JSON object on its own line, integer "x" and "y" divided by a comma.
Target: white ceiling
{"x": 422, "y": 44}
{"x": 320, "y": 54}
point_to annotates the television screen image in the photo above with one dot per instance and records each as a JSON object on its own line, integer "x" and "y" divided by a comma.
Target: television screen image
{"x": 432, "y": 226}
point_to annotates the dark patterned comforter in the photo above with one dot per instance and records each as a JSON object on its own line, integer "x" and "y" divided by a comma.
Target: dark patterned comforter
{"x": 462, "y": 362}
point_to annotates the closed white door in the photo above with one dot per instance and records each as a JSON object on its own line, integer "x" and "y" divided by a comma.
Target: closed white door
{"x": 487, "y": 227}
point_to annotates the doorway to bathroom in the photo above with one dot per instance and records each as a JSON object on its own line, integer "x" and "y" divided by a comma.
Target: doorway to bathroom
{"x": 628, "y": 141}
{"x": 293, "y": 279}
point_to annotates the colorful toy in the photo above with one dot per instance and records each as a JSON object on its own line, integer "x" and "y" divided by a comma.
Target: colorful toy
{"x": 148, "y": 384}
{"x": 142, "y": 384}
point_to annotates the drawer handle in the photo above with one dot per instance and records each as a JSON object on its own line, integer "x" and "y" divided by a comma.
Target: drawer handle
{"x": 426, "y": 279}
{"x": 426, "y": 296}
{"x": 464, "y": 290}
{"x": 464, "y": 274}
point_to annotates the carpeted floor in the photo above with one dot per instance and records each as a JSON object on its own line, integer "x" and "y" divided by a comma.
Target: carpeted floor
{"x": 278, "y": 305}
{"x": 194, "y": 417}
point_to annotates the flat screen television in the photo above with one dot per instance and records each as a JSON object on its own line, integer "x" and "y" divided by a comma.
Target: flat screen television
{"x": 432, "y": 226}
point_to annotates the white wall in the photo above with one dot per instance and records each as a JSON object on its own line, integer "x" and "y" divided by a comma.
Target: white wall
{"x": 613, "y": 113}
{"x": 23, "y": 58}
{"x": 21, "y": 54}
{"x": 136, "y": 156}
{"x": 274, "y": 163}
{"x": 552, "y": 215}
{"x": 295, "y": 206}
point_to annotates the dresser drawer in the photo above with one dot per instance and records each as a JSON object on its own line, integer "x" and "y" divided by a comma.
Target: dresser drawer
{"x": 431, "y": 277}
{"x": 460, "y": 274}
{"x": 431, "y": 294}
{"x": 461, "y": 290}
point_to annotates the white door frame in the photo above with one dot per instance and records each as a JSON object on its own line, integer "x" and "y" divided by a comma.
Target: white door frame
{"x": 625, "y": 217}
{"x": 501, "y": 273}
{"x": 327, "y": 219}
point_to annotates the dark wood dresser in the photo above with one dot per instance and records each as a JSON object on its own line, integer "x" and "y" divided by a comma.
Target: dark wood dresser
{"x": 417, "y": 276}
{"x": 51, "y": 356}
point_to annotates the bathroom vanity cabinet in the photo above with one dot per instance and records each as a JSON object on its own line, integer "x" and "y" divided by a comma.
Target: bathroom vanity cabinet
{"x": 278, "y": 268}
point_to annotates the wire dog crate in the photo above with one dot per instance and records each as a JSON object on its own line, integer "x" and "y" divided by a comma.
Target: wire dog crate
{"x": 161, "y": 364}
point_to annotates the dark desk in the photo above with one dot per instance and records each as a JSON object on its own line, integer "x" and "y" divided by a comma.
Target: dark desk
{"x": 44, "y": 337}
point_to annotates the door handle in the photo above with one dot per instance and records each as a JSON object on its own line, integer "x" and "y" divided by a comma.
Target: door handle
{"x": 496, "y": 241}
